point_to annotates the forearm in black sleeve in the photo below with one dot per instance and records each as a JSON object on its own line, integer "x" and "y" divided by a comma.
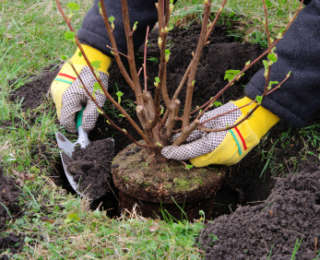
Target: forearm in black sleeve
{"x": 298, "y": 99}
{"x": 93, "y": 31}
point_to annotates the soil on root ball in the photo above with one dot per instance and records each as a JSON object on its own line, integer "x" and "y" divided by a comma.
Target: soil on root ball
{"x": 271, "y": 230}
{"x": 164, "y": 186}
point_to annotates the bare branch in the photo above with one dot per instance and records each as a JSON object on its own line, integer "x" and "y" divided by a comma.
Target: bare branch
{"x": 130, "y": 49}
{"x": 114, "y": 49}
{"x": 145, "y": 76}
{"x": 194, "y": 62}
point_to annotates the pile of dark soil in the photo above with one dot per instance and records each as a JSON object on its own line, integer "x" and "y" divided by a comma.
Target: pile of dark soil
{"x": 91, "y": 168}
{"x": 34, "y": 92}
{"x": 289, "y": 216}
{"x": 9, "y": 203}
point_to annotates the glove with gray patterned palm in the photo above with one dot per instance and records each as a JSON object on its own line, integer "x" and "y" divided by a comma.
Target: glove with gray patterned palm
{"x": 224, "y": 147}
{"x": 70, "y": 96}
{"x": 75, "y": 97}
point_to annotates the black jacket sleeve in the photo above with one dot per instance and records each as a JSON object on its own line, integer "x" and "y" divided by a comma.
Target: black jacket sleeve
{"x": 298, "y": 99}
{"x": 93, "y": 30}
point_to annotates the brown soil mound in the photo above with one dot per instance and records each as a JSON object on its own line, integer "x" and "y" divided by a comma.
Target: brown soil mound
{"x": 9, "y": 194}
{"x": 289, "y": 216}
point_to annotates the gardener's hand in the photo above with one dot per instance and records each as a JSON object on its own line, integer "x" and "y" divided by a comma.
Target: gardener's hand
{"x": 225, "y": 147}
{"x": 69, "y": 95}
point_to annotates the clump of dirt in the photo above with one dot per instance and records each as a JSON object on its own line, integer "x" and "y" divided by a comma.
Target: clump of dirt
{"x": 33, "y": 93}
{"x": 91, "y": 168}
{"x": 289, "y": 217}
{"x": 11, "y": 241}
{"x": 9, "y": 199}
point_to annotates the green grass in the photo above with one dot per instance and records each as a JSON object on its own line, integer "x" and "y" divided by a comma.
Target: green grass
{"x": 58, "y": 225}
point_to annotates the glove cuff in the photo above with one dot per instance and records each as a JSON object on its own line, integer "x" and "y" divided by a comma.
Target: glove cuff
{"x": 93, "y": 55}
{"x": 261, "y": 119}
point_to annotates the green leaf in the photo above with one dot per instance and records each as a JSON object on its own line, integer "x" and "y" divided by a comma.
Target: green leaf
{"x": 69, "y": 36}
{"x": 64, "y": 57}
{"x": 96, "y": 88}
{"x": 167, "y": 54}
{"x": 161, "y": 110}
{"x": 266, "y": 64}
{"x": 274, "y": 82}
{"x": 272, "y": 57}
{"x": 73, "y": 6}
{"x": 156, "y": 81}
{"x": 188, "y": 166}
{"x": 259, "y": 99}
{"x": 153, "y": 59}
{"x": 135, "y": 26}
{"x": 111, "y": 19}
{"x": 217, "y": 103}
{"x": 96, "y": 64}
{"x": 119, "y": 95}
{"x": 231, "y": 74}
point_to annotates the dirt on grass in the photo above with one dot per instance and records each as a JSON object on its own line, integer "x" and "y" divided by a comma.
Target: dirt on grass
{"x": 9, "y": 199}
{"x": 288, "y": 218}
{"x": 290, "y": 210}
{"x": 9, "y": 210}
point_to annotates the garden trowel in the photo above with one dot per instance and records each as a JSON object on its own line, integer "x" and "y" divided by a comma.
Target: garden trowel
{"x": 67, "y": 148}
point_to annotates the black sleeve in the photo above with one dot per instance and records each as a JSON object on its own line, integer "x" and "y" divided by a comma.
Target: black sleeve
{"x": 93, "y": 30}
{"x": 298, "y": 99}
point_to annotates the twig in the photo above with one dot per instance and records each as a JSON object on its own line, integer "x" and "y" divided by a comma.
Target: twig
{"x": 145, "y": 76}
{"x": 195, "y": 62}
{"x": 114, "y": 49}
{"x": 130, "y": 50}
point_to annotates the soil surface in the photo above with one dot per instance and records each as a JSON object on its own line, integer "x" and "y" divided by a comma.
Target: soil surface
{"x": 9, "y": 199}
{"x": 33, "y": 93}
{"x": 9, "y": 210}
{"x": 288, "y": 217}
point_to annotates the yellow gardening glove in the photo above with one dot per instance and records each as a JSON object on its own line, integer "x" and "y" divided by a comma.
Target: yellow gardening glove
{"x": 225, "y": 147}
{"x": 68, "y": 94}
